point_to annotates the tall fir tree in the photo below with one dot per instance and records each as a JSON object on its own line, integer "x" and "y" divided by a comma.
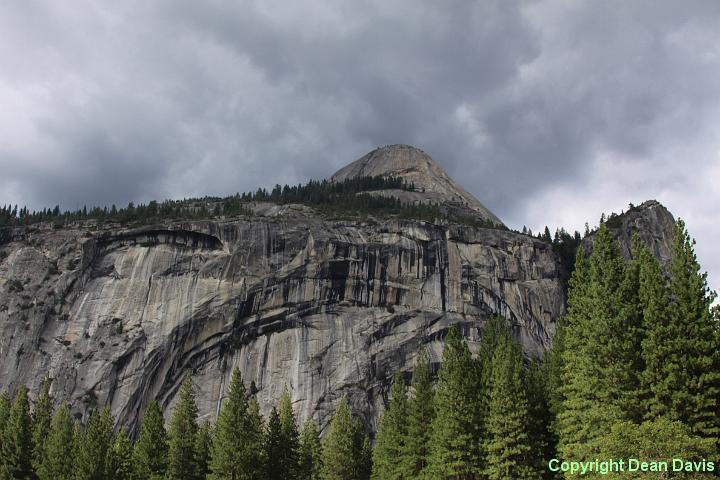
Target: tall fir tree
{"x": 91, "y": 460}
{"x": 237, "y": 450}
{"x": 42, "y": 417}
{"x": 150, "y": 455}
{"x": 654, "y": 302}
{"x": 691, "y": 364}
{"x": 203, "y": 443}
{"x": 309, "y": 452}
{"x": 598, "y": 382}
{"x": 420, "y": 414}
{"x": 540, "y": 417}
{"x": 182, "y": 432}
{"x": 5, "y": 406}
{"x": 454, "y": 446}
{"x": 273, "y": 448}
{"x": 17, "y": 440}
{"x": 255, "y": 440}
{"x": 59, "y": 460}
{"x": 509, "y": 446}
{"x": 121, "y": 458}
{"x": 345, "y": 453}
{"x": 289, "y": 437}
{"x": 389, "y": 448}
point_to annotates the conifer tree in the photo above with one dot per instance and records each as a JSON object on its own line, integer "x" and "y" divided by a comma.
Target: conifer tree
{"x": 598, "y": 380}
{"x": 5, "y": 406}
{"x": 91, "y": 460}
{"x": 691, "y": 364}
{"x": 289, "y": 437}
{"x": 182, "y": 435}
{"x": 151, "y": 449}
{"x": 420, "y": 416}
{"x": 345, "y": 452}
{"x": 273, "y": 448}
{"x": 237, "y": 450}
{"x": 42, "y": 417}
{"x": 309, "y": 452}
{"x": 121, "y": 463}
{"x": 17, "y": 440}
{"x": 540, "y": 417}
{"x": 203, "y": 443}
{"x": 387, "y": 456}
{"x": 59, "y": 459}
{"x": 509, "y": 447}
{"x": 454, "y": 439}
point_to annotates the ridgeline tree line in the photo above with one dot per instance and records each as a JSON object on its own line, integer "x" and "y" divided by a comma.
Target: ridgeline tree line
{"x": 634, "y": 372}
{"x": 348, "y": 197}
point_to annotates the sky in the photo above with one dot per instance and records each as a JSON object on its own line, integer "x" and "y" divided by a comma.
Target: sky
{"x": 550, "y": 112}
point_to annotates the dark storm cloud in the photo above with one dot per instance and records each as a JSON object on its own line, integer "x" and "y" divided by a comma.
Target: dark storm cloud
{"x": 548, "y": 111}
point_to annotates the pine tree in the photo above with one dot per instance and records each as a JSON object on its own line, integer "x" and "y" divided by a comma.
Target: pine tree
{"x": 237, "y": 450}
{"x": 691, "y": 362}
{"x": 509, "y": 447}
{"x": 387, "y": 456}
{"x": 4, "y": 414}
{"x": 309, "y": 452}
{"x": 540, "y": 417}
{"x": 345, "y": 453}
{"x": 599, "y": 381}
{"x": 203, "y": 442}
{"x": 151, "y": 450}
{"x": 17, "y": 440}
{"x": 181, "y": 435}
{"x": 121, "y": 459}
{"x": 420, "y": 416}
{"x": 273, "y": 448}
{"x": 42, "y": 417}
{"x": 454, "y": 440}
{"x": 91, "y": 461}
{"x": 59, "y": 460}
{"x": 289, "y": 437}
{"x": 654, "y": 303}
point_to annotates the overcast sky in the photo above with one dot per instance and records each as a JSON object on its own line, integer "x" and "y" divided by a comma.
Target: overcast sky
{"x": 550, "y": 112}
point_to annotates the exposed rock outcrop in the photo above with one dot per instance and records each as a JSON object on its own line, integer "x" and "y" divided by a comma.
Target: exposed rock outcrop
{"x": 118, "y": 315}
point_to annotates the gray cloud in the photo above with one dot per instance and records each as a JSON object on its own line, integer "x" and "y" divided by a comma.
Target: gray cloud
{"x": 550, "y": 112}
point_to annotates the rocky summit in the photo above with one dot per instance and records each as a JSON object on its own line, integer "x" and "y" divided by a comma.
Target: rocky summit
{"x": 118, "y": 313}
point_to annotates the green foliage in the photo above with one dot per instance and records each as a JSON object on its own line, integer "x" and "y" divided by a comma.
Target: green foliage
{"x": 237, "y": 450}
{"x": 151, "y": 449}
{"x": 309, "y": 452}
{"x": 274, "y": 448}
{"x": 5, "y": 406}
{"x": 121, "y": 459}
{"x": 345, "y": 448}
{"x": 289, "y": 438}
{"x": 691, "y": 360}
{"x": 42, "y": 416}
{"x": 421, "y": 412}
{"x": 392, "y": 433}
{"x": 454, "y": 446}
{"x": 601, "y": 346}
{"x": 17, "y": 440}
{"x": 540, "y": 417}
{"x": 659, "y": 439}
{"x": 509, "y": 446}
{"x": 203, "y": 443}
{"x": 182, "y": 464}
{"x": 59, "y": 453}
{"x": 95, "y": 447}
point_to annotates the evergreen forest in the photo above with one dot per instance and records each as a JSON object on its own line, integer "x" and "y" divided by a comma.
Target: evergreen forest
{"x": 634, "y": 372}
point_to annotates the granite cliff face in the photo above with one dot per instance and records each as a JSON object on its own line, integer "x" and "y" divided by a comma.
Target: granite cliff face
{"x": 118, "y": 315}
